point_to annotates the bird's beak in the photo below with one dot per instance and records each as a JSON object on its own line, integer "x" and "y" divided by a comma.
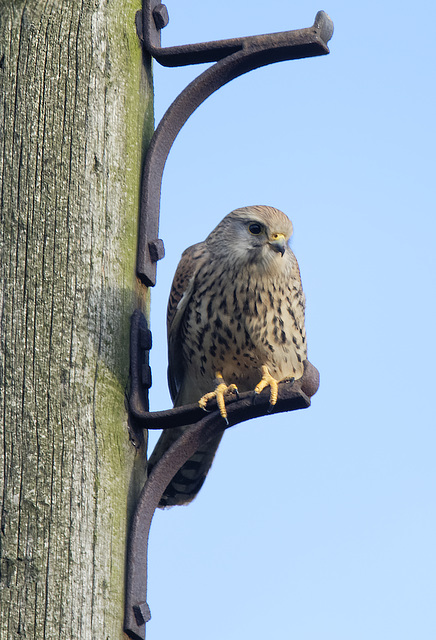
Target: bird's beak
{"x": 278, "y": 242}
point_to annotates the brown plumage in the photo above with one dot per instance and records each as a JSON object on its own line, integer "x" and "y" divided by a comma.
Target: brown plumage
{"x": 236, "y": 309}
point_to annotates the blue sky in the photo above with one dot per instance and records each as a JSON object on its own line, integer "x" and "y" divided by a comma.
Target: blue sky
{"x": 317, "y": 524}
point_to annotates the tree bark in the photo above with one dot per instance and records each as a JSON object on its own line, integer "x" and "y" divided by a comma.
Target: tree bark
{"x": 75, "y": 115}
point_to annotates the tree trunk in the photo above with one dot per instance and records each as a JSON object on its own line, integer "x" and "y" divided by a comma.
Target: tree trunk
{"x": 75, "y": 111}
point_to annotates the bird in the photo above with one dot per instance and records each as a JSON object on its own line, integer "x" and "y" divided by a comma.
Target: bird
{"x": 235, "y": 323}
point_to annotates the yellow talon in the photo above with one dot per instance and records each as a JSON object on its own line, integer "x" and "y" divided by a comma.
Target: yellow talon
{"x": 221, "y": 390}
{"x": 268, "y": 381}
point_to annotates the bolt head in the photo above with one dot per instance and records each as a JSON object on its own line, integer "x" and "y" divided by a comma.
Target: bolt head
{"x": 160, "y": 16}
{"x": 146, "y": 376}
{"x": 156, "y": 249}
{"x": 145, "y": 339}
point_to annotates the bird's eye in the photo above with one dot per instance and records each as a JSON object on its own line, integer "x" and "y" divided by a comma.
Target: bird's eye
{"x": 255, "y": 228}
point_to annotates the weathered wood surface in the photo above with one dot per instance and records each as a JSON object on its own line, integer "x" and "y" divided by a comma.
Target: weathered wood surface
{"x": 75, "y": 114}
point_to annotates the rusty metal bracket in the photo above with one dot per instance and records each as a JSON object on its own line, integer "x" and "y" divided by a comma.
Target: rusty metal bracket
{"x": 291, "y": 397}
{"x": 233, "y": 58}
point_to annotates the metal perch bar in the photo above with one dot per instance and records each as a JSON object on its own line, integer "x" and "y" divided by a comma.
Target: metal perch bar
{"x": 291, "y": 397}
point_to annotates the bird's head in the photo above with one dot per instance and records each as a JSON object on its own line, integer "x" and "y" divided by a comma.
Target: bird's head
{"x": 252, "y": 235}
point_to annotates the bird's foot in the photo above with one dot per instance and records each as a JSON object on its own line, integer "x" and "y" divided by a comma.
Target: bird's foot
{"x": 221, "y": 390}
{"x": 267, "y": 380}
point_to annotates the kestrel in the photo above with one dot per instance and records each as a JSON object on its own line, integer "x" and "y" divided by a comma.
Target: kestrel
{"x": 235, "y": 321}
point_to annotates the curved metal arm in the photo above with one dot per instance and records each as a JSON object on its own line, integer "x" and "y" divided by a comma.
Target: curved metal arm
{"x": 235, "y": 57}
{"x": 291, "y": 397}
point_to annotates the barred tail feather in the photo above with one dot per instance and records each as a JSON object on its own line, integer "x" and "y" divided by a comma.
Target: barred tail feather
{"x": 190, "y": 478}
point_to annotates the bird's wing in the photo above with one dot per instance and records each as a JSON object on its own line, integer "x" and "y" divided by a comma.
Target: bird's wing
{"x": 181, "y": 291}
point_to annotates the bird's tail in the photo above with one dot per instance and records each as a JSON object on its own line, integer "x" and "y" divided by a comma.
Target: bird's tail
{"x": 189, "y": 479}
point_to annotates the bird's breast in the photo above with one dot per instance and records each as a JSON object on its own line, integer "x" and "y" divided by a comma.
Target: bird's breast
{"x": 236, "y": 324}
